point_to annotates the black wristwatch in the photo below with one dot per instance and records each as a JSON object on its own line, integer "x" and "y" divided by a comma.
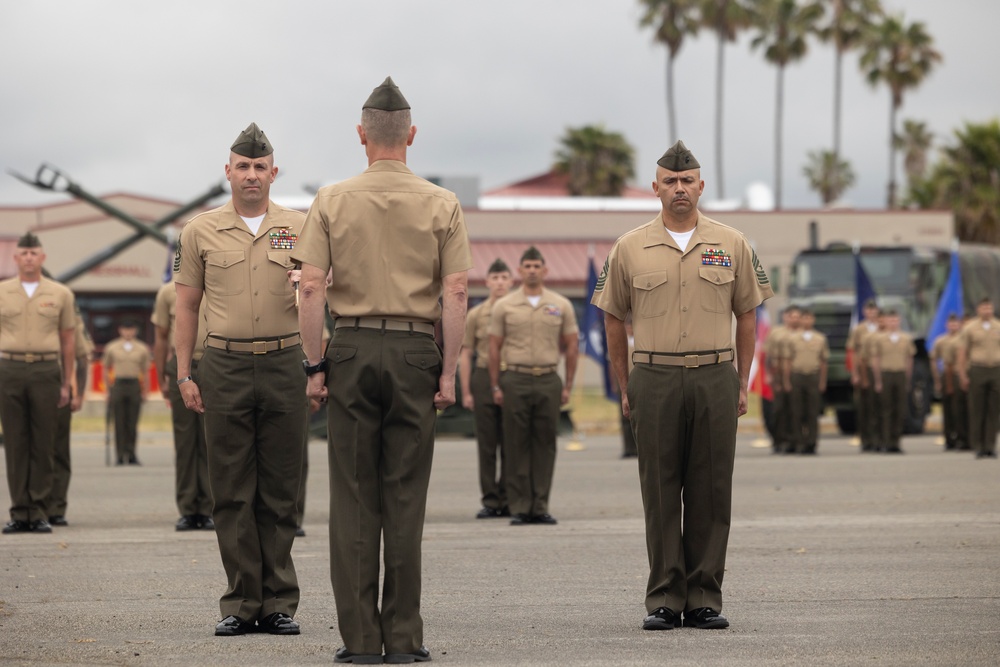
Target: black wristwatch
{"x": 312, "y": 369}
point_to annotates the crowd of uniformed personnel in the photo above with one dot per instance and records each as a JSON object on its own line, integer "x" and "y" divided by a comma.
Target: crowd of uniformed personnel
{"x": 386, "y": 254}
{"x": 965, "y": 365}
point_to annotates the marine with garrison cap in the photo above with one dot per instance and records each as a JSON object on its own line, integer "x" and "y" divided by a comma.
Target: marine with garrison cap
{"x": 37, "y": 321}
{"x": 399, "y": 253}
{"x": 250, "y": 384}
{"x": 683, "y": 277}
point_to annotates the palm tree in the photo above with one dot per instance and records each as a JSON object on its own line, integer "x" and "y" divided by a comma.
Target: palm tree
{"x": 914, "y": 141}
{"x": 726, "y": 18}
{"x": 850, "y": 21}
{"x": 782, "y": 28}
{"x": 828, "y": 175}
{"x": 902, "y": 56}
{"x": 599, "y": 163}
{"x": 672, "y": 22}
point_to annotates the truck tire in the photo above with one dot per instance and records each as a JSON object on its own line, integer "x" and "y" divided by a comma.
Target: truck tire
{"x": 847, "y": 421}
{"x": 921, "y": 394}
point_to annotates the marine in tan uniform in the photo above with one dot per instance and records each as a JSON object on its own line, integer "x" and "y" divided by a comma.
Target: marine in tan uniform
{"x": 476, "y": 395}
{"x": 959, "y": 396}
{"x": 37, "y": 321}
{"x": 865, "y": 399}
{"x": 61, "y": 465}
{"x": 192, "y": 489}
{"x": 532, "y": 327}
{"x": 890, "y": 354}
{"x": 399, "y": 251}
{"x": 805, "y": 369}
{"x": 250, "y": 384}
{"x": 683, "y": 277}
{"x": 776, "y": 352}
{"x": 979, "y": 368}
{"x": 942, "y": 357}
{"x": 126, "y": 369}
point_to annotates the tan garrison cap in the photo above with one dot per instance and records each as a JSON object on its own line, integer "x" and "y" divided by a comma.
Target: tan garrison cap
{"x": 498, "y": 266}
{"x": 678, "y": 158}
{"x": 252, "y": 142}
{"x": 532, "y": 254}
{"x": 386, "y": 97}
{"x": 29, "y": 240}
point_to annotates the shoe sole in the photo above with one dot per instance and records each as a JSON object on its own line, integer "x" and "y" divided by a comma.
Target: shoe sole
{"x": 404, "y": 658}
{"x": 659, "y": 625}
{"x": 232, "y": 633}
{"x": 363, "y": 659}
{"x": 713, "y": 625}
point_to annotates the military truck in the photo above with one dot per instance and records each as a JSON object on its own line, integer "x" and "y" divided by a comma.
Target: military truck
{"x": 909, "y": 279}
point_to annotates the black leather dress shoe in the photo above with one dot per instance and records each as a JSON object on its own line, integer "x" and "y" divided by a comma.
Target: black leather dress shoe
{"x": 420, "y": 655}
{"x": 300, "y": 531}
{"x": 546, "y": 519}
{"x": 343, "y": 655}
{"x": 232, "y": 626}
{"x": 661, "y": 619}
{"x": 278, "y": 624}
{"x": 134, "y": 462}
{"x": 205, "y": 522}
{"x": 16, "y": 527}
{"x": 520, "y": 520}
{"x": 58, "y": 520}
{"x": 40, "y": 526}
{"x": 489, "y": 513}
{"x": 189, "y": 522}
{"x": 705, "y": 618}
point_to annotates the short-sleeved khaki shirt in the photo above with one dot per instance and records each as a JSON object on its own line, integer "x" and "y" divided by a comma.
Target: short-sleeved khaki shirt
{"x": 808, "y": 351}
{"x": 33, "y": 325}
{"x": 390, "y": 236}
{"x": 477, "y": 332}
{"x": 165, "y": 312}
{"x": 982, "y": 342}
{"x": 857, "y": 340}
{"x": 893, "y": 349}
{"x": 682, "y": 301}
{"x": 943, "y": 350}
{"x": 244, "y": 276}
{"x": 127, "y": 359}
{"x": 532, "y": 334}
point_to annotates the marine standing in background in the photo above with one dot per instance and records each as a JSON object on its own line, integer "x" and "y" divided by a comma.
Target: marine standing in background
{"x": 683, "y": 277}
{"x": 890, "y": 353}
{"x": 958, "y": 399}
{"x": 775, "y": 352}
{"x": 865, "y": 399}
{"x": 191, "y": 486}
{"x": 979, "y": 369}
{"x": 37, "y": 321}
{"x": 531, "y": 328}
{"x": 399, "y": 251}
{"x": 61, "y": 466}
{"x": 126, "y": 369}
{"x": 250, "y": 384}
{"x": 805, "y": 368}
{"x": 476, "y": 395}
{"x": 942, "y": 357}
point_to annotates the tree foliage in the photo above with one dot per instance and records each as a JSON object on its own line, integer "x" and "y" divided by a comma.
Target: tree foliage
{"x": 599, "y": 163}
{"x": 672, "y": 21}
{"x": 829, "y": 175}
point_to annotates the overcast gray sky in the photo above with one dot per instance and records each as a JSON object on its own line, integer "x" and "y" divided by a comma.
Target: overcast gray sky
{"x": 147, "y": 97}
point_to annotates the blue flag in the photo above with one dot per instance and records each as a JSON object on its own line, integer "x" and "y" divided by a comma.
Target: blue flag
{"x": 595, "y": 339}
{"x": 865, "y": 291}
{"x": 951, "y": 301}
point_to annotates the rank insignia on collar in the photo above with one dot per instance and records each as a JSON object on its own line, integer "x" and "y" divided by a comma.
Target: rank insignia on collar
{"x": 713, "y": 257}
{"x": 283, "y": 239}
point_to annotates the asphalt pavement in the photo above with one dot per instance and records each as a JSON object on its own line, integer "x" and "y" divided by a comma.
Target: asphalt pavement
{"x": 837, "y": 559}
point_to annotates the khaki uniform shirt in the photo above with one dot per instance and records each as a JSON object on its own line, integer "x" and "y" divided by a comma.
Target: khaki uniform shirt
{"x": 943, "y": 351}
{"x": 858, "y": 338}
{"x": 682, "y": 301}
{"x": 982, "y": 342}
{"x": 244, "y": 276}
{"x": 127, "y": 359}
{"x": 33, "y": 325}
{"x": 949, "y": 352}
{"x": 477, "y": 332}
{"x": 808, "y": 351}
{"x": 892, "y": 349}
{"x": 165, "y": 312}
{"x": 390, "y": 236}
{"x": 532, "y": 334}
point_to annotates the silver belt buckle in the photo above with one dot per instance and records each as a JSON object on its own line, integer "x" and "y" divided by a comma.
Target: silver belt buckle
{"x": 691, "y": 361}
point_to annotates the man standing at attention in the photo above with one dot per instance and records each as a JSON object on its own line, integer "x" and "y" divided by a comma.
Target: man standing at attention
{"x": 397, "y": 244}
{"x": 775, "y": 351}
{"x": 683, "y": 277}
{"x": 476, "y": 394}
{"x": 865, "y": 399}
{"x": 531, "y": 326}
{"x": 890, "y": 354}
{"x": 250, "y": 384}
{"x": 126, "y": 367}
{"x": 979, "y": 373}
{"x": 942, "y": 357}
{"x": 807, "y": 354}
{"x": 191, "y": 486}
{"x": 37, "y": 318}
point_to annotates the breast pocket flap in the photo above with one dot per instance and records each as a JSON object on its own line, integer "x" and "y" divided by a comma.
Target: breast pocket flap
{"x": 225, "y": 258}
{"x": 648, "y": 281}
{"x": 716, "y": 276}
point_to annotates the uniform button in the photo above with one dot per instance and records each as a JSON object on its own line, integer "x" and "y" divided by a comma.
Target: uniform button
{"x": 684, "y": 309}
{"x": 257, "y": 319}
{"x": 255, "y": 292}
{"x": 648, "y": 283}
{"x": 684, "y": 283}
{"x": 684, "y": 334}
{"x": 336, "y": 357}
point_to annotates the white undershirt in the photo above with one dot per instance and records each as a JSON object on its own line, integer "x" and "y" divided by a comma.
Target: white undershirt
{"x": 254, "y": 223}
{"x": 682, "y": 238}
{"x": 30, "y": 288}
{"x": 534, "y": 300}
